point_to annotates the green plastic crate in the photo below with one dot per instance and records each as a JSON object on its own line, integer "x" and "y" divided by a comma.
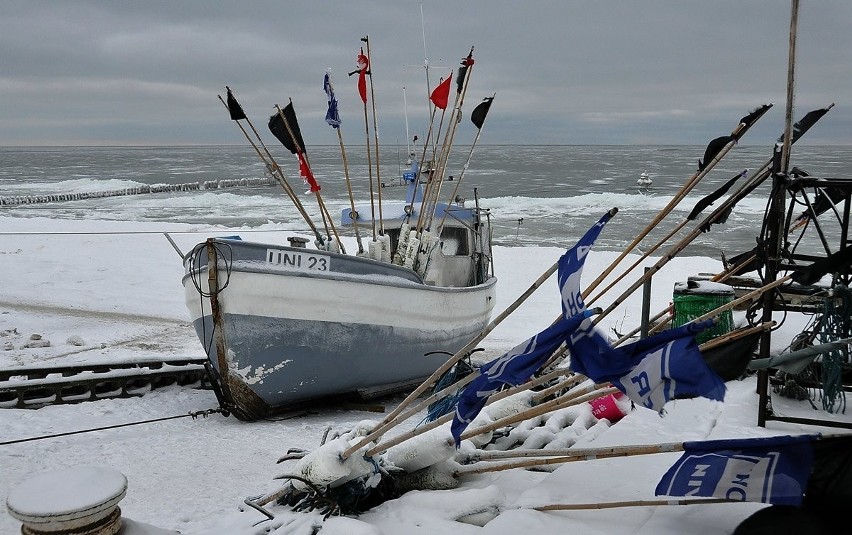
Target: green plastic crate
{"x": 695, "y": 298}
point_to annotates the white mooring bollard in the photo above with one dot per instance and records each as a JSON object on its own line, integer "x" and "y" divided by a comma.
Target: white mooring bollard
{"x": 81, "y": 500}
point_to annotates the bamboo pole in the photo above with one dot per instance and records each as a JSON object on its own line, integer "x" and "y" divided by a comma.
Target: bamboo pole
{"x": 569, "y": 382}
{"x": 366, "y": 39}
{"x": 681, "y": 245}
{"x": 734, "y": 303}
{"x": 467, "y": 459}
{"x": 326, "y": 216}
{"x": 735, "y": 335}
{"x": 273, "y": 167}
{"x": 738, "y": 132}
{"x": 354, "y": 212}
{"x": 632, "y": 503}
{"x": 421, "y": 166}
{"x": 538, "y": 410}
{"x": 753, "y": 182}
{"x": 461, "y": 176}
{"x": 389, "y": 420}
{"x": 645, "y": 255}
{"x": 384, "y": 446}
{"x": 549, "y": 457}
{"x": 449, "y": 139}
{"x": 434, "y": 175}
{"x": 563, "y": 456}
{"x": 369, "y": 156}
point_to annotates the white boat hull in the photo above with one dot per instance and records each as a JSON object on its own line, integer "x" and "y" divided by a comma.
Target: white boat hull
{"x": 290, "y": 335}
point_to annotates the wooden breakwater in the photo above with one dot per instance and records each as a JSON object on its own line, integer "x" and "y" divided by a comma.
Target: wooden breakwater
{"x": 136, "y": 190}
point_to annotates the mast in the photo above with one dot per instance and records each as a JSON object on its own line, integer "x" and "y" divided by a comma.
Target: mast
{"x": 775, "y": 217}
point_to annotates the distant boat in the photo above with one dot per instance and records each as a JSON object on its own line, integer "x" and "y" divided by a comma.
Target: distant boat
{"x": 644, "y": 180}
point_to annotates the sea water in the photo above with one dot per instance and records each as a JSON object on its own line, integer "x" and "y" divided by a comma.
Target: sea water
{"x": 535, "y": 195}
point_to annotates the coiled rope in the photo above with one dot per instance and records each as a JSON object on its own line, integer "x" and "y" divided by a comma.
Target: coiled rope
{"x": 835, "y": 325}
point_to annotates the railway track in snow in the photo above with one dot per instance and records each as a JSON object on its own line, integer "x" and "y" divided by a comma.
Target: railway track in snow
{"x": 33, "y": 387}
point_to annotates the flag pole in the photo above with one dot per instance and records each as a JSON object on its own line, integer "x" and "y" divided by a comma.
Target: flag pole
{"x": 561, "y": 456}
{"x": 632, "y": 503}
{"x": 362, "y": 72}
{"x": 715, "y": 216}
{"x": 464, "y": 170}
{"x": 719, "y": 277}
{"x": 353, "y": 213}
{"x": 384, "y": 446}
{"x": 276, "y": 171}
{"x": 537, "y": 410}
{"x": 366, "y": 39}
{"x": 434, "y": 174}
{"x": 444, "y": 393}
{"x": 326, "y": 217}
{"x": 659, "y": 323}
{"x": 449, "y": 137}
{"x": 647, "y": 253}
{"x": 742, "y": 127}
{"x": 391, "y": 419}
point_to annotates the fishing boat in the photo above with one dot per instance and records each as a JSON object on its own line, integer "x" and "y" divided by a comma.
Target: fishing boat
{"x": 644, "y": 180}
{"x": 284, "y": 325}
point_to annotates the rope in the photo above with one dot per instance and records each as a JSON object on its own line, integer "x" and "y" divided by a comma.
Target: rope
{"x": 193, "y": 415}
{"x": 462, "y": 369}
{"x": 835, "y": 326}
{"x": 195, "y": 271}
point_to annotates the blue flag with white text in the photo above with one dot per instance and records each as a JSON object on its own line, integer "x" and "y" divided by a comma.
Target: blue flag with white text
{"x": 767, "y": 470}
{"x": 650, "y": 371}
{"x": 519, "y": 364}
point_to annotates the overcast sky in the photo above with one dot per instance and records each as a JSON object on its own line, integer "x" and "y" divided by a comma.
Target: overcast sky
{"x": 117, "y": 72}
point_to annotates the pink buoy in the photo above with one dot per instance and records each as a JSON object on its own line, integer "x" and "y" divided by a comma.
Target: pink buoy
{"x": 613, "y": 407}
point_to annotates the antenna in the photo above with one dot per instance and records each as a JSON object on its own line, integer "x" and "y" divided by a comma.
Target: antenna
{"x": 407, "y": 135}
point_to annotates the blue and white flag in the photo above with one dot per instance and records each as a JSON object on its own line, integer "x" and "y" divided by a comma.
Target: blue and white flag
{"x": 513, "y": 368}
{"x": 570, "y": 268}
{"x": 519, "y": 364}
{"x": 650, "y": 371}
{"x": 768, "y": 470}
{"x": 332, "y": 117}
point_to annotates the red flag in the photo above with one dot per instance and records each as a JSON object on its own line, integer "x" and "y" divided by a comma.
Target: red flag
{"x": 441, "y": 94}
{"x": 306, "y": 173}
{"x": 363, "y": 65}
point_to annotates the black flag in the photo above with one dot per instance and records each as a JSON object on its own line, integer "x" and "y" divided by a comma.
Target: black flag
{"x": 825, "y": 199}
{"x": 279, "y": 130}
{"x": 752, "y": 118}
{"x": 234, "y": 108}
{"x": 465, "y": 63}
{"x": 714, "y": 148}
{"x": 477, "y": 117}
{"x": 799, "y": 128}
{"x": 710, "y": 199}
{"x": 805, "y": 123}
